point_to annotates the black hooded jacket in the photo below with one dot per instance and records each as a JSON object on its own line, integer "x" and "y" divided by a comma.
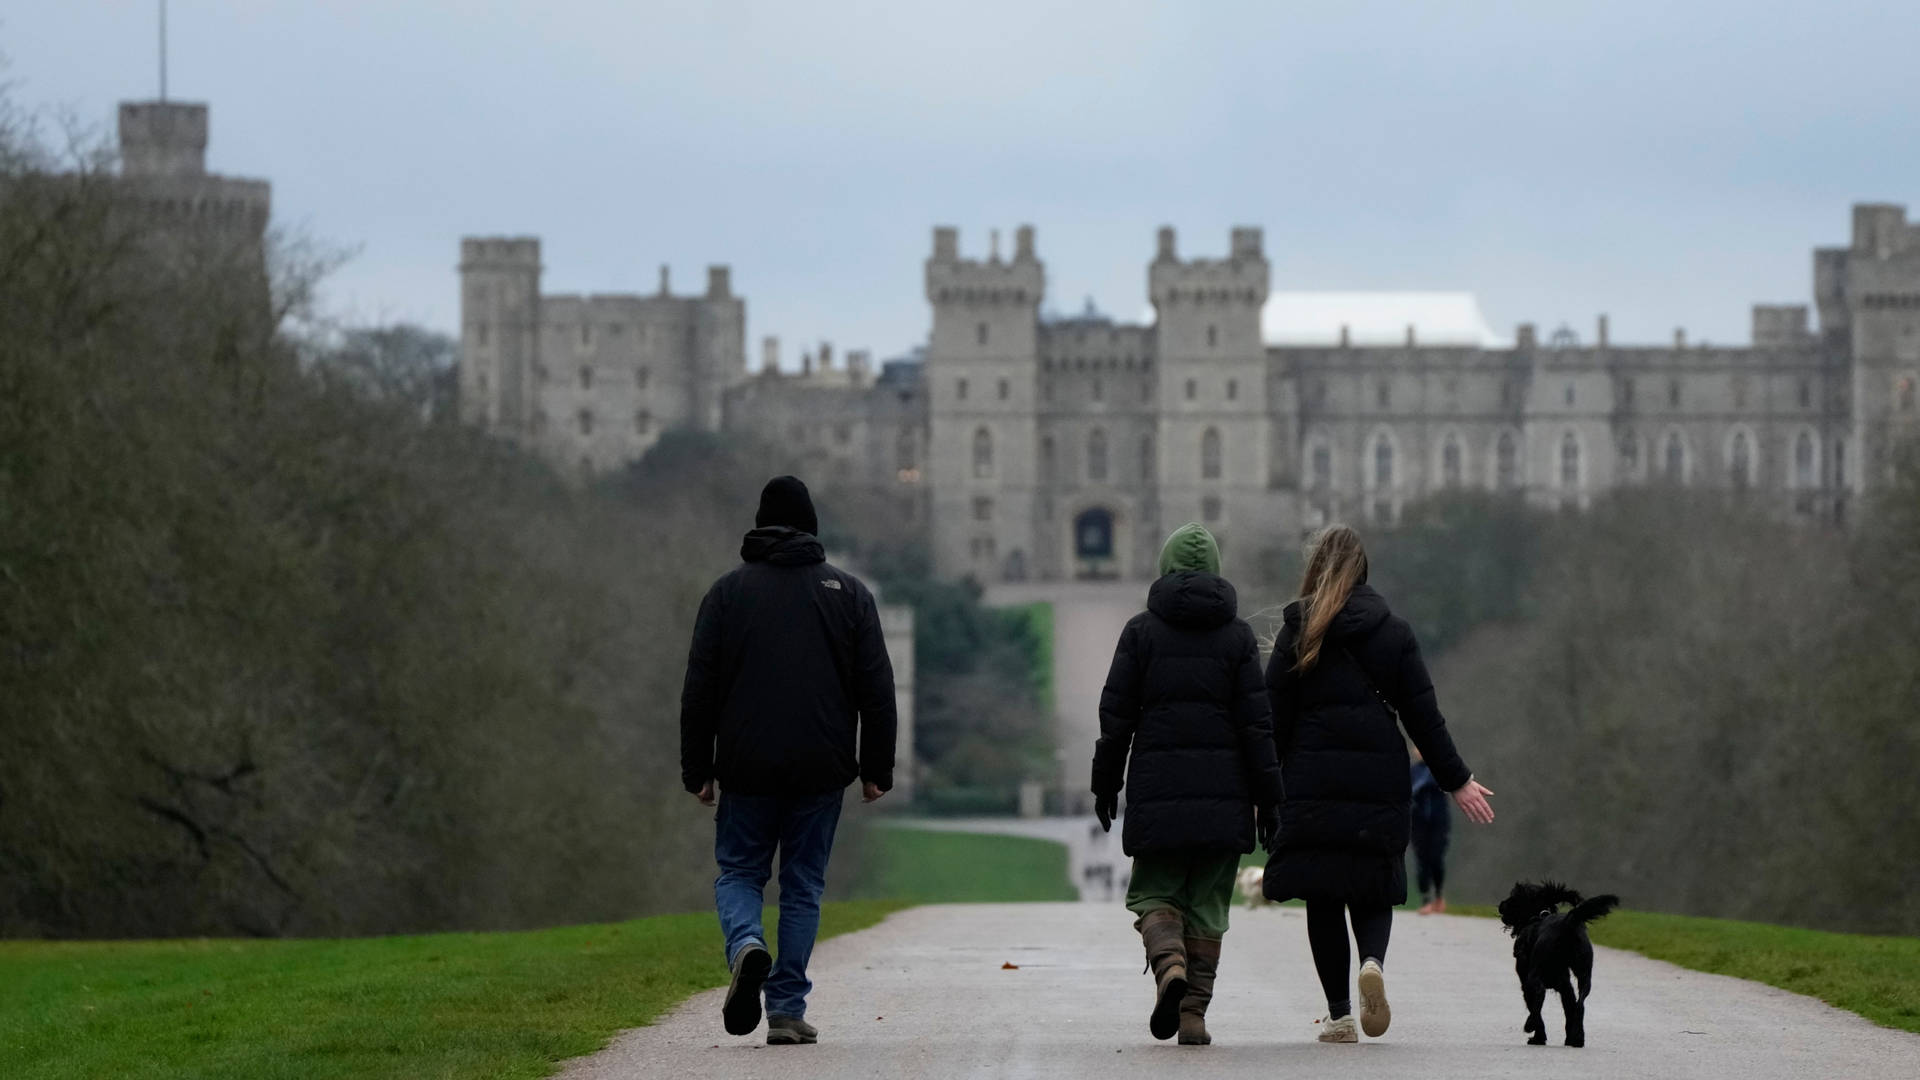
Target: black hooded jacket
{"x": 789, "y": 689}
{"x": 1341, "y": 752}
{"x": 1184, "y": 696}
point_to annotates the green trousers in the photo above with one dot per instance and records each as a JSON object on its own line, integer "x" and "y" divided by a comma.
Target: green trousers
{"x": 1197, "y": 884}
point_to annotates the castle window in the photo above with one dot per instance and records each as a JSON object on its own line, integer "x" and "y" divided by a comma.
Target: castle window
{"x": 1569, "y": 395}
{"x": 983, "y": 453}
{"x": 1803, "y": 461}
{"x": 1506, "y": 458}
{"x": 1673, "y": 393}
{"x": 1322, "y": 467}
{"x": 1213, "y": 336}
{"x": 1806, "y": 393}
{"x": 1097, "y": 455}
{"x": 1210, "y": 454}
{"x": 1626, "y": 392}
{"x": 1146, "y": 458}
{"x": 1382, "y": 462}
{"x": 1450, "y": 463}
{"x": 586, "y": 421}
{"x": 1093, "y": 534}
{"x": 1382, "y": 393}
{"x": 586, "y": 377}
{"x": 642, "y": 422}
{"x": 1006, "y": 388}
{"x": 586, "y": 334}
{"x": 960, "y": 389}
{"x": 1676, "y": 459}
{"x": 982, "y": 508}
{"x": 1233, "y": 389}
{"x": 1740, "y": 460}
{"x": 1046, "y": 458}
{"x": 1193, "y": 389}
{"x": 1210, "y": 508}
{"x": 1099, "y": 391}
{"x": 1629, "y": 453}
{"x": 640, "y": 376}
{"x": 1569, "y": 460}
{"x": 983, "y": 548}
{"x": 980, "y": 334}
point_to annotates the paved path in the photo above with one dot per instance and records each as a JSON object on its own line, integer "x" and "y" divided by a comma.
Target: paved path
{"x": 924, "y": 995}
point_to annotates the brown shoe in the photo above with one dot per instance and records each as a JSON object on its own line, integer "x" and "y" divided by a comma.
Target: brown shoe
{"x": 1203, "y": 963}
{"x": 790, "y": 1031}
{"x": 1164, "y": 935}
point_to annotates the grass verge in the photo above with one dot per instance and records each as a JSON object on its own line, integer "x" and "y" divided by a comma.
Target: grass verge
{"x": 1875, "y": 976}
{"x": 930, "y": 867}
{"x": 439, "y": 1005}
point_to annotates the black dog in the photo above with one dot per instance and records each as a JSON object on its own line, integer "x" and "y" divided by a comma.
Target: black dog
{"x": 1551, "y": 951}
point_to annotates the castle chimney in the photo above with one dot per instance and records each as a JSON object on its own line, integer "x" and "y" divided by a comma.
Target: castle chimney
{"x": 663, "y": 279}
{"x": 1409, "y": 335}
{"x": 1346, "y": 337}
{"x": 719, "y": 282}
{"x": 1525, "y": 336}
{"x": 806, "y": 363}
{"x": 993, "y": 245}
{"x": 1165, "y": 252}
{"x": 1603, "y": 332}
{"x": 1679, "y": 337}
{"x": 770, "y": 354}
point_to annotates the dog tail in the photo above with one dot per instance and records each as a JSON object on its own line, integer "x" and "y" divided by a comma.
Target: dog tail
{"x": 1587, "y": 911}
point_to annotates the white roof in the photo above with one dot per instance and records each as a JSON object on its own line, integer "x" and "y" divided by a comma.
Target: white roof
{"x": 1376, "y": 318}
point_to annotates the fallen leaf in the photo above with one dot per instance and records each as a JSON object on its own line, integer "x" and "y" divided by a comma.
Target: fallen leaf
{"x": 1009, "y": 967}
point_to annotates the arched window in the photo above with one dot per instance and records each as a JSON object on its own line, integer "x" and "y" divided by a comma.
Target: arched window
{"x": 1740, "y": 460}
{"x": 586, "y": 421}
{"x": 1450, "y": 462}
{"x": 1506, "y": 463}
{"x": 586, "y": 377}
{"x": 1097, "y": 455}
{"x": 1146, "y": 457}
{"x": 1676, "y": 459}
{"x": 1569, "y": 460}
{"x": 1803, "y": 461}
{"x": 983, "y": 453}
{"x": 1210, "y": 455}
{"x": 1382, "y": 462}
{"x": 1046, "y": 457}
{"x": 1322, "y": 467}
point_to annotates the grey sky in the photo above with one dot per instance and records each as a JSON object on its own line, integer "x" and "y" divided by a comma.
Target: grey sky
{"x": 1665, "y": 161}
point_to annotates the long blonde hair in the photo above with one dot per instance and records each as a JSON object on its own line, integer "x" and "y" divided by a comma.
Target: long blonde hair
{"x": 1335, "y": 564}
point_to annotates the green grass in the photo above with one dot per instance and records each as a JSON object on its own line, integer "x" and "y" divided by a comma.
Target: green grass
{"x": 440, "y": 1005}
{"x": 925, "y": 866}
{"x": 1876, "y": 977}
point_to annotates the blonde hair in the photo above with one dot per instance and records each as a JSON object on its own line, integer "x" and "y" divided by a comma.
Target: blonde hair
{"x": 1335, "y": 564}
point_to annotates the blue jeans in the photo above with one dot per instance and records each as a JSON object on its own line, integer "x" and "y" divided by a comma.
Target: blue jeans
{"x": 748, "y": 829}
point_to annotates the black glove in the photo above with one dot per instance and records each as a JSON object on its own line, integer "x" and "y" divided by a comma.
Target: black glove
{"x": 1266, "y": 825}
{"x": 1105, "y": 807}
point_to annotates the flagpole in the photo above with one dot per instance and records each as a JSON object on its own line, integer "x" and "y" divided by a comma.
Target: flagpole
{"x": 163, "y": 50}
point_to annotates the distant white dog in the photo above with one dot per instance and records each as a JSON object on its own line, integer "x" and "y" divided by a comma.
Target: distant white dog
{"x": 1252, "y": 880}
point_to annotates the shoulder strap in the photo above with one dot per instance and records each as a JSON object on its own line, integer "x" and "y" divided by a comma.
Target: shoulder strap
{"x": 1367, "y": 678}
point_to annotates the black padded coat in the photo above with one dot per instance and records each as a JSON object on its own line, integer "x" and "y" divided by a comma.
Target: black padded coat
{"x": 1343, "y": 823}
{"x": 1184, "y": 699}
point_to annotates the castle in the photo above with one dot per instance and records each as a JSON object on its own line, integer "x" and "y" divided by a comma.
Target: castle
{"x": 1033, "y": 448}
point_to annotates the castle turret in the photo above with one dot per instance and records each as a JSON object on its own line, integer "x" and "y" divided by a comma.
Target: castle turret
{"x": 1881, "y": 286}
{"x": 163, "y": 138}
{"x": 499, "y": 333}
{"x": 982, "y": 360}
{"x": 1215, "y": 423}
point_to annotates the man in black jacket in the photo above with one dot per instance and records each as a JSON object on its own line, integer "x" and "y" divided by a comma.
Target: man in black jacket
{"x": 788, "y": 699}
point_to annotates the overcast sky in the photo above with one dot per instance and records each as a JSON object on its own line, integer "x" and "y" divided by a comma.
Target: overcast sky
{"x": 1665, "y": 161}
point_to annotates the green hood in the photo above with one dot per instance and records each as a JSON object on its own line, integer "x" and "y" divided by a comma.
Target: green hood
{"x": 1191, "y": 547}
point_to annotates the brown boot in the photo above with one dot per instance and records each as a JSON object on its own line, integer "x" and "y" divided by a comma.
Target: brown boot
{"x": 1164, "y": 934}
{"x": 1203, "y": 963}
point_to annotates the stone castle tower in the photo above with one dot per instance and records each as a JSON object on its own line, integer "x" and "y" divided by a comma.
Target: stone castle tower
{"x": 166, "y": 186}
{"x": 590, "y": 382}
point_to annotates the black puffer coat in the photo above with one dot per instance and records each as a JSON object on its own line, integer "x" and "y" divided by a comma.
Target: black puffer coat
{"x": 1184, "y": 696}
{"x": 1343, "y": 824}
{"x": 789, "y": 689}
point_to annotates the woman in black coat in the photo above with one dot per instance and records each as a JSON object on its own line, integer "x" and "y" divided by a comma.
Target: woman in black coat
{"x": 1344, "y": 679}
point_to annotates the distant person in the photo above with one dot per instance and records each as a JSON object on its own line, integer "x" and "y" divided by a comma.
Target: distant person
{"x": 1344, "y": 669}
{"x": 788, "y": 699}
{"x": 1432, "y": 826}
{"x": 1184, "y": 701}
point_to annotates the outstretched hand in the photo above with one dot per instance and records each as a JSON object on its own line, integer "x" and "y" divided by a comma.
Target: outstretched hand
{"x": 1472, "y": 800}
{"x": 1104, "y": 808}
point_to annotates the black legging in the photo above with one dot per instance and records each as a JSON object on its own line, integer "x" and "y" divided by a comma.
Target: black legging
{"x": 1327, "y": 936}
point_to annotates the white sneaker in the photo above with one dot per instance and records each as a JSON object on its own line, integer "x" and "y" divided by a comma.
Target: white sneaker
{"x": 1338, "y": 1031}
{"x": 1374, "y": 1013}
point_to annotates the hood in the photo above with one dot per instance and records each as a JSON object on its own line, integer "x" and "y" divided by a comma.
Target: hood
{"x": 1191, "y": 547}
{"x": 782, "y": 546}
{"x": 1194, "y": 599}
{"x": 786, "y": 501}
{"x": 1363, "y": 613}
